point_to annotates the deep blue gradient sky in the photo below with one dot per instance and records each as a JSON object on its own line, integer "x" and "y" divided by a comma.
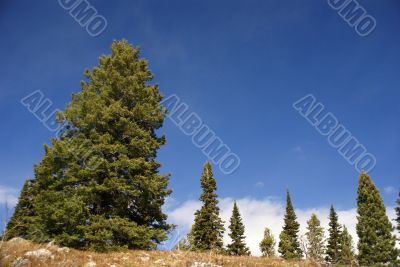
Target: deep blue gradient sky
{"x": 238, "y": 64}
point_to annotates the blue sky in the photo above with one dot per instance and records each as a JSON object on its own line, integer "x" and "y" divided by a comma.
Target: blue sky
{"x": 239, "y": 65}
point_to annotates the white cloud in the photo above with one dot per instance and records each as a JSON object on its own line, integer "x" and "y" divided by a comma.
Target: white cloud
{"x": 259, "y": 184}
{"x": 298, "y": 150}
{"x": 260, "y": 213}
{"x": 8, "y": 195}
{"x": 389, "y": 190}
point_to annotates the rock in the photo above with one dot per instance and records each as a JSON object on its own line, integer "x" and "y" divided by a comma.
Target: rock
{"x": 20, "y": 262}
{"x": 160, "y": 262}
{"x": 63, "y": 250}
{"x": 204, "y": 264}
{"x": 144, "y": 257}
{"x": 174, "y": 256}
{"x": 51, "y": 244}
{"x": 17, "y": 240}
{"x": 90, "y": 264}
{"x": 40, "y": 253}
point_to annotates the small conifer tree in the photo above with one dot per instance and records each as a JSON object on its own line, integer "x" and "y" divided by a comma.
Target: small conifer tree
{"x": 346, "y": 254}
{"x": 207, "y": 231}
{"x": 289, "y": 245}
{"x": 333, "y": 246}
{"x": 238, "y": 246}
{"x": 267, "y": 245}
{"x": 315, "y": 239}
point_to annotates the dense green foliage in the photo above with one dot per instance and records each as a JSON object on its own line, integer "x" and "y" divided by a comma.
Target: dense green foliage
{"x": 208, "y": 228}
{"x": 267, "y": 244}
{"x": 98, "y": 185}
{"x": 376, "y": 243}
{"x": 238, "y": 245}
{"x": 333, "y": 246}
{"x": 289, "y": 245}
{"x": 315, "y": 239}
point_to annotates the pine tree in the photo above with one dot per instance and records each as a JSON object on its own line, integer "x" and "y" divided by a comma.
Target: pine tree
{"x": 315, "y": 238}
{"x": 289, "y": 245}
{"x": 186, "y": 243}
{"x": 346, "y": 253}
{"x": 398, "y": 214}
{"x": 376, "y": 244}
{"x": 208, "y": 228}
{"x": 98, "y": 185}
{"x": 267, "y": 245}
{"x": 18, "y": 226}
{"x": 333, "y": 247}
{"x": 238, "y": 246}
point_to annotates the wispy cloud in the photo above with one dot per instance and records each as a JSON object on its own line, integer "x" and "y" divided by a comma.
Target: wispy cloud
{"x": 259, "y": 185}
{"x": 299, "y": 152}
{"x": 8, "y": 195}
{"x": 260, "y": 213}
{"x": 389, "y": 190}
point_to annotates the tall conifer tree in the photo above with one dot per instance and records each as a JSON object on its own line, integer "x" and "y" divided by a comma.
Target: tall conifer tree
{"x": 98, "y": 184}
{"x": 376, "y": 245}
{"x": 238, "y": 245}
{"x": 208, "y": 228}
{"x": 289, "y": 245}
{"x": 333, "y": 246}
{"x": 315, "y": 238}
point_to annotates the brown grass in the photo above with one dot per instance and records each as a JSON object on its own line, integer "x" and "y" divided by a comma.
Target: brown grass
{"x": 10, "y": 251}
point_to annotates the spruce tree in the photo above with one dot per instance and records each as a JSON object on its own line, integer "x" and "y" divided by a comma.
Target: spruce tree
{"x": 289, "y": 245}
{"x": 98, "y": 185}
{"x": 346, "y": 253}
{"x": 208, "y": 228}
{"x": 238, "y": 246}
{"x": 376, "y": 245}
{"x": 333, "y": 246}
{"x": 315, "y": 239}
{"x": 398, "y": 214}
{"x": 18, "y": 226}
{"x": 267, "y": 244}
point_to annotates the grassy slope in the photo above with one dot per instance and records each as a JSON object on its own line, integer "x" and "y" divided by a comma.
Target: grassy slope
{"x": 10, "y": 251}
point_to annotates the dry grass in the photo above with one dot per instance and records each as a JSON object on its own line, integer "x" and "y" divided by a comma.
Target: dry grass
{"x": 10, "y": 251}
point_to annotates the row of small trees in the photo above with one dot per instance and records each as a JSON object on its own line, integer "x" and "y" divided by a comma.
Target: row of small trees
{"x": 376, "y": 240}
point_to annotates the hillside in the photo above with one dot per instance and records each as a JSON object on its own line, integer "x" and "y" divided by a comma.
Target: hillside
{"x": 18, "y": 253}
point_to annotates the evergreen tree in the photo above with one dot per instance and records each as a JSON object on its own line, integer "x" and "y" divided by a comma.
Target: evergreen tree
{"x": 18, "y": 226}
{"x": 315, "y": 238}
{"x": 333, "y": 247}
{"x": 185, "y": 243}
{"x": 267, "y": 245}
{"x": 376, "y": 244}
{"x": 98, "y": 185}
{"x": 398, "y": 214}
{"x": 289, "y": 245}
{"x": 346, "y": 254}
{"x": 238, "y": 246}
{"x": 208, "y": 228}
